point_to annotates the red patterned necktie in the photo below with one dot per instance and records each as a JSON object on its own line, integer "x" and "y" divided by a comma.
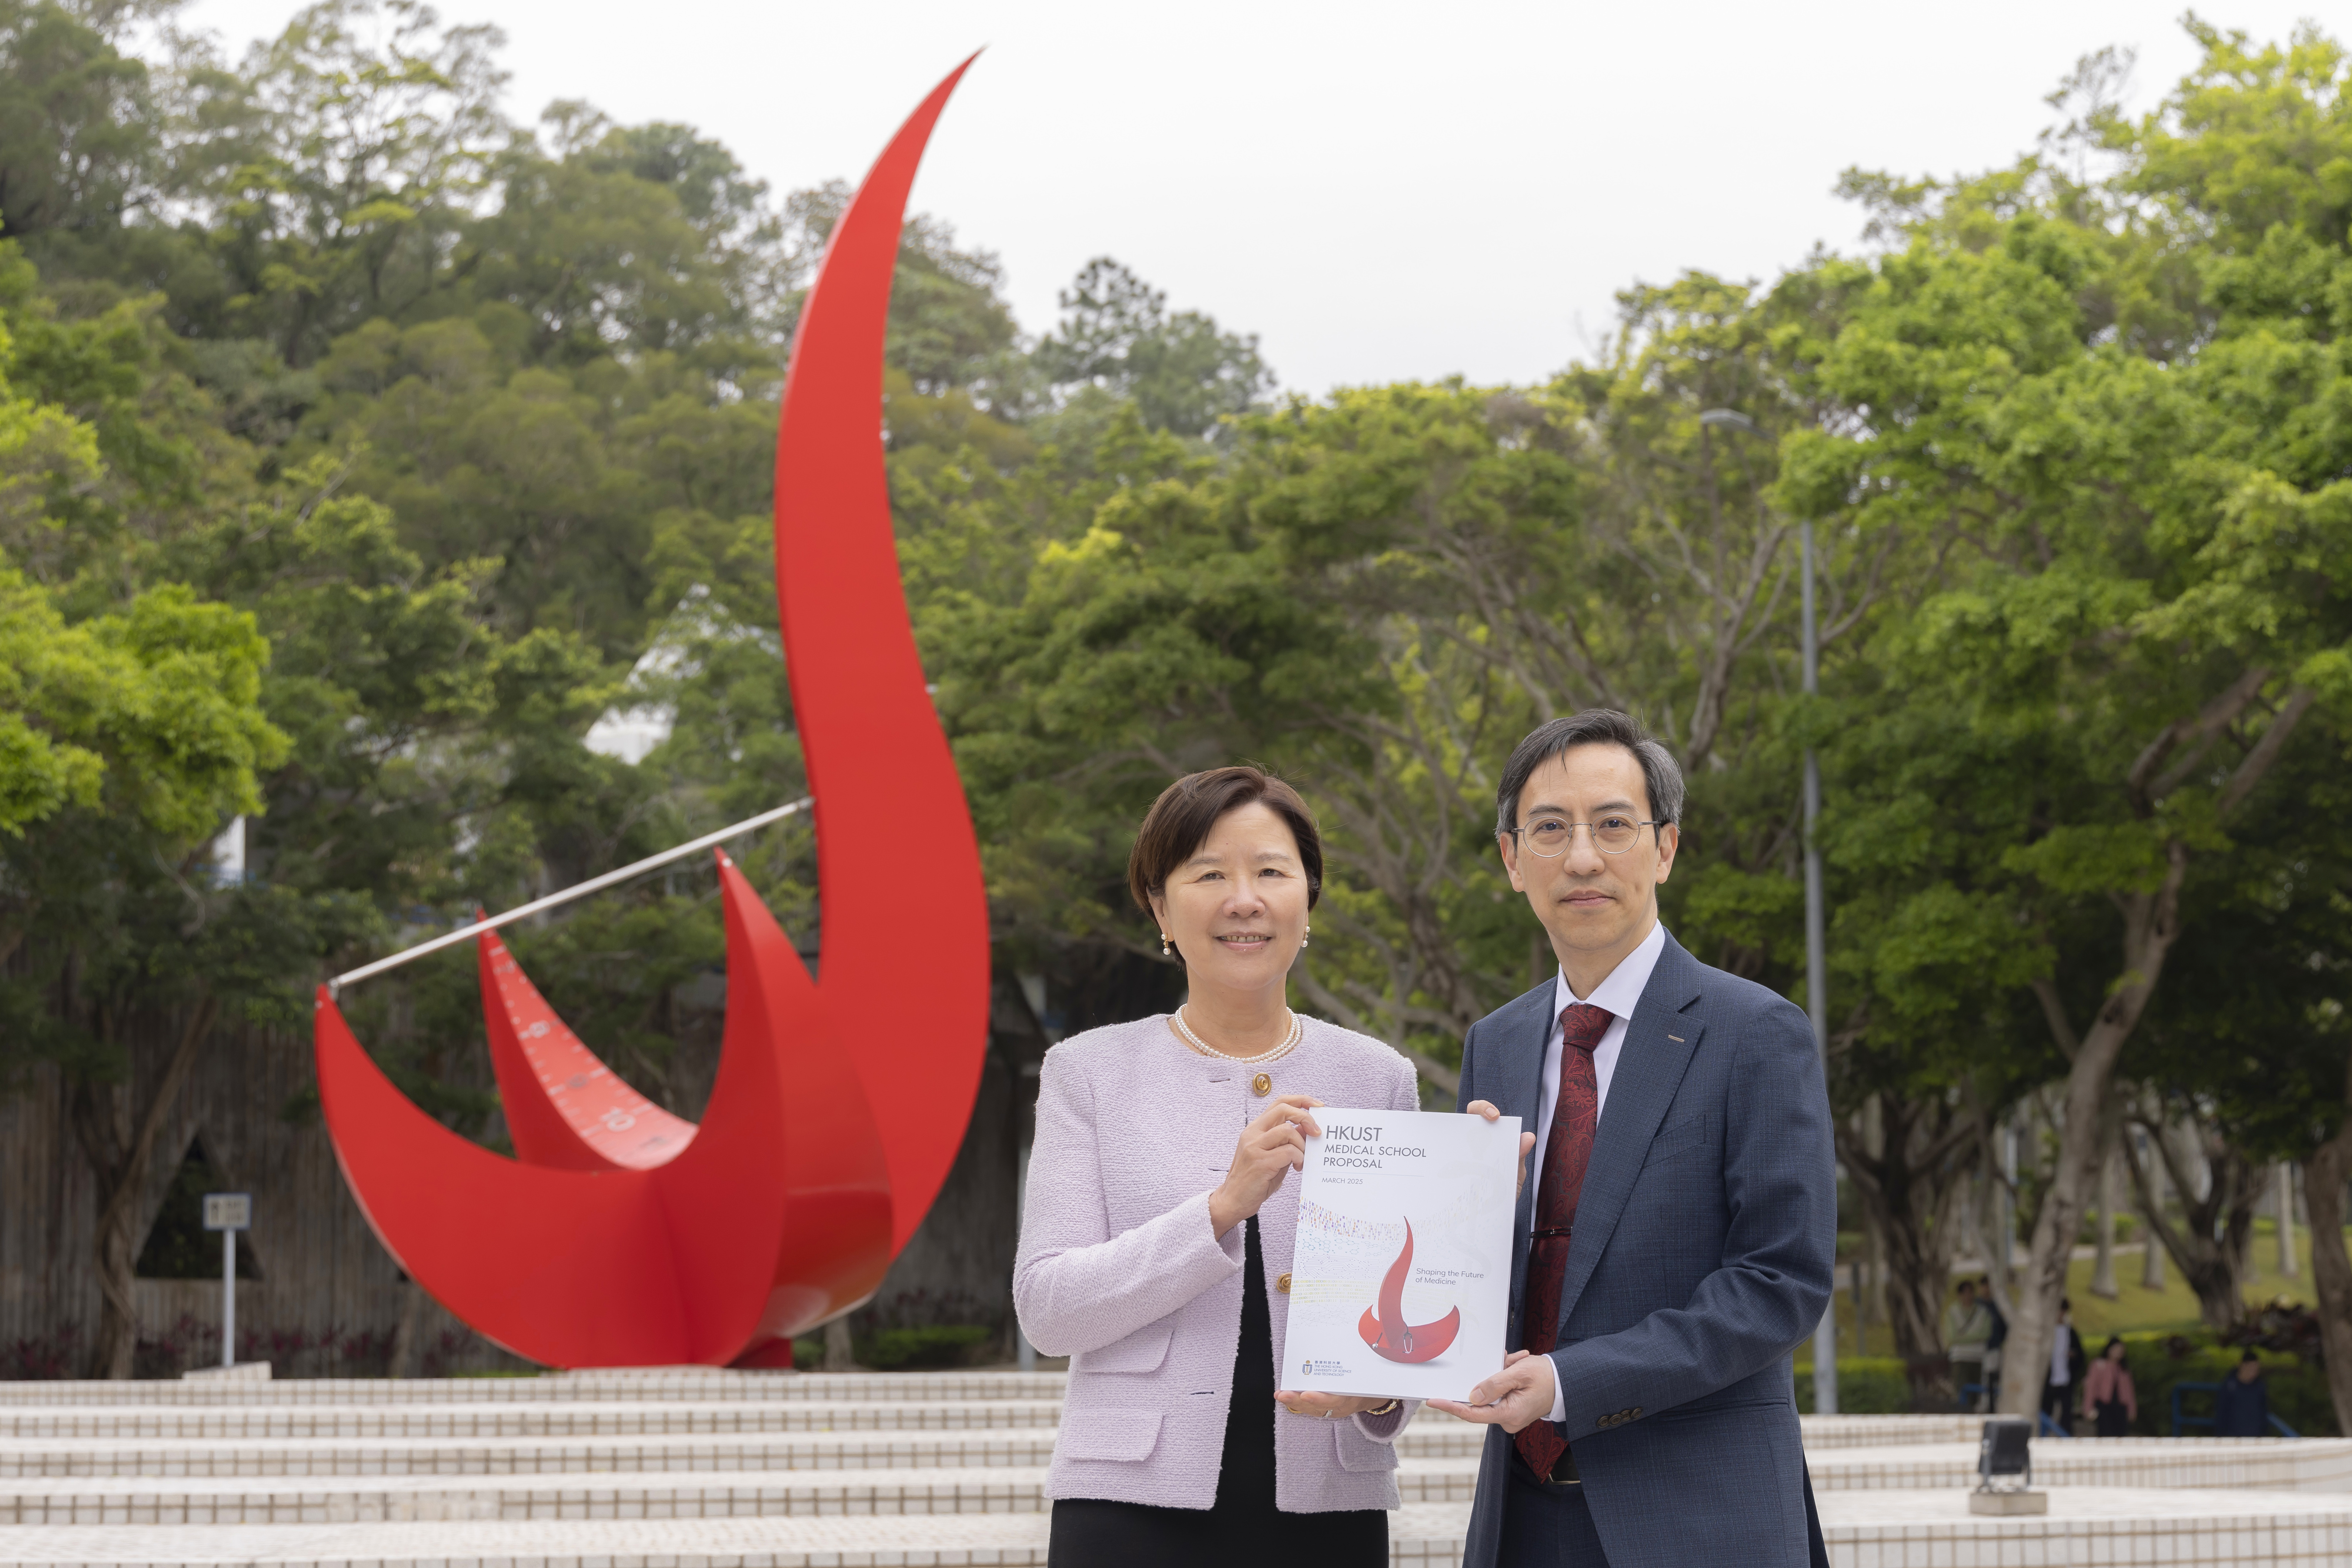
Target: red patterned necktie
{"x": 1566, "y": 1153}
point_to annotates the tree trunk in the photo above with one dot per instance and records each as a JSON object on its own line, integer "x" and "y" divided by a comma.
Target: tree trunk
{"x": 2209, "y": 1243}
{"x": 120, "y": 1159}
{"x": 2324, "y": 1175}
{"x": 2102, "y": 1273}
{"x": 2151, "y": 925}
{"x": 1910, "y": 1193}
{"x": 2151, "y": 1262}
{"x": 838, "y": 1355}
{"x": 2289, "y": 1267}
{"x": 402, "y": 1363}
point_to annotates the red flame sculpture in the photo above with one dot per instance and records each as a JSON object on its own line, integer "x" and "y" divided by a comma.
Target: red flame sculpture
{"x": 563, "y": 1106}
{"x": 1388, "y": 1335}
{"x": 840, "y": 1104}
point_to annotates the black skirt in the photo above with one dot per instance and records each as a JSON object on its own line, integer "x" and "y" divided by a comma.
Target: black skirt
{"x": 1244, "y": 1527}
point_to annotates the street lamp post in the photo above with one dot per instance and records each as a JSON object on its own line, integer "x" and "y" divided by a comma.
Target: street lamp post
{"x": 1817, "y": 979}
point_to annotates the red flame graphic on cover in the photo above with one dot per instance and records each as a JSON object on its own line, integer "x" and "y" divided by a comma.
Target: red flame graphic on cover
{"x": 1388, "y": 1335}
{"x": 623, "y": 1235}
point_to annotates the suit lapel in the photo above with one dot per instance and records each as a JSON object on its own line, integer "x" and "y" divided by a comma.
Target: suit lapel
{"x": 1650, "y": 1067}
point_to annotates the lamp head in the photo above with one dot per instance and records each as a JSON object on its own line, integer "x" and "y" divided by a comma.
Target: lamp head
{"x": 2005, "y": 1453}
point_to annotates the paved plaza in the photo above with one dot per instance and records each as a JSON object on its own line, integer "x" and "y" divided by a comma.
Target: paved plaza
{"x": 799, "y": 1471}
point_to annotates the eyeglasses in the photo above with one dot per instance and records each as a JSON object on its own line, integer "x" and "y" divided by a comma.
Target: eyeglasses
{"x": 1550, "y": 836}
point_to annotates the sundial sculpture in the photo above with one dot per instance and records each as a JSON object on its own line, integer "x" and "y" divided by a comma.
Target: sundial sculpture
{"x": 621, "y": 1235}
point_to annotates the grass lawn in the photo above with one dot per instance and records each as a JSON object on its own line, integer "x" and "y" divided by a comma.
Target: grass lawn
{"x": 2134, "y": 1310}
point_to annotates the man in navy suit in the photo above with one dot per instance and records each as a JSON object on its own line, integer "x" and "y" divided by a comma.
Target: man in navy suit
{"x": 1678, "y": 1229}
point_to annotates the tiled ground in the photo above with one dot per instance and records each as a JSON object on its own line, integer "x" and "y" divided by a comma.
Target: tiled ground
{"x": 690, "y": 1467}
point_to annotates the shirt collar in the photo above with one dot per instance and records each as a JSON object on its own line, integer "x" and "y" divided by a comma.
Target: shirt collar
{"x": 1621, "y": 993}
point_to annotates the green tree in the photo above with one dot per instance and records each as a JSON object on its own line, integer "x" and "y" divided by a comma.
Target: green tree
{"x": 1118, "y": 340}
{"x": 2143, "y": 526}
{"x": 80, "y": 132}
{"x": 126, "y": 739}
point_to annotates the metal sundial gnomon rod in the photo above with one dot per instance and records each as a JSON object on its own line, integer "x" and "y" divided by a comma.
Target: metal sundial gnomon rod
{"x": 594, "y": 884}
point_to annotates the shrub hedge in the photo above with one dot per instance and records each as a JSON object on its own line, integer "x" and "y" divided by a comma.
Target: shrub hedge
{"x": 2298, "y": 1388}
{"x": 1867, "y": 1385}
{"x": 1875, "y": 1386}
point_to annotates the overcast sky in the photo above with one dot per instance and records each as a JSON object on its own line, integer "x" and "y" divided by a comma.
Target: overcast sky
{"x": 1379, "y": 191}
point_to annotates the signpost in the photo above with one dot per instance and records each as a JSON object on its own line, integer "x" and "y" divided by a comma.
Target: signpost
{"x": 228, "y": 1212}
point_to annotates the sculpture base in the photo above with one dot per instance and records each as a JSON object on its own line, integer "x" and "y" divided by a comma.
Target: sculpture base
{"x": 2008, "y": 1504}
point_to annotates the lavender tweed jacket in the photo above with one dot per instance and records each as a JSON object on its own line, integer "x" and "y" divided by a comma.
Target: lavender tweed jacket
{"x": 1117, "y": 1268}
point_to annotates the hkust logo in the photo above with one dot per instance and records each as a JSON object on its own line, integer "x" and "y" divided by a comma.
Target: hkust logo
{"x": 1388, "y": 1335}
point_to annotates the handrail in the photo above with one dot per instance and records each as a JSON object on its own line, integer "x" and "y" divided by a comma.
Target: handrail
{"x": 2178, "y": 1420}
{"x": 581, "y": 890}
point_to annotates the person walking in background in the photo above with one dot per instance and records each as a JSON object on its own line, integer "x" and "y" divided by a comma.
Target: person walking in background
{"x": 2245, "y": 1404}
{"x": 2068, "y": 1361}
{"x": 2107, "y": 1394}
{"x": 1677, "y": 1231}
{"x": 1168, "y": 1289}
{"x": 1968, "y": 1324}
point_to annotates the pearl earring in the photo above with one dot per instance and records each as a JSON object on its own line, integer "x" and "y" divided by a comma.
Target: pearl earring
{"x": 1305, "y": 934}
{"x": 1166, "y": 948}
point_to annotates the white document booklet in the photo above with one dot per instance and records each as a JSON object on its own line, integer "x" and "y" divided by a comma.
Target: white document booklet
{"x": 1399, "y": 1285}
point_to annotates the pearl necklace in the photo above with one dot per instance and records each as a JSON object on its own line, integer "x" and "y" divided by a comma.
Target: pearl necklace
{"x": 1289, "y": 1043}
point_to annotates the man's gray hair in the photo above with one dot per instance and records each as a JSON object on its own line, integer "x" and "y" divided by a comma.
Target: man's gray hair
{"x": 1661, "y": 774}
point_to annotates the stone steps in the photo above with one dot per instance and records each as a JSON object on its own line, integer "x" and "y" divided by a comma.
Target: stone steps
{"x": 1002, "y": 1540}
{"x": 861, "y": 1477}
{"x": 1887, "y": 1431}
{"x": 692, "y": 1466}
{"x": 572, "y": 1419}
{"x": 1864, "y": 1530}
{"x": 654, "y": 1384}
{"x": 1431, "y": 1438}
{"x": 2271, "y": 1464}
{"x": 739, "y": 1495}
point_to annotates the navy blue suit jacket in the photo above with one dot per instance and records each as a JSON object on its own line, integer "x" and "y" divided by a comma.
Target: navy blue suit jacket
{"x": 1704, "y": 1238}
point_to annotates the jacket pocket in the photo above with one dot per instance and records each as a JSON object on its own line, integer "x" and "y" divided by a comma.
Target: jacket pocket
{"x": 1678, "y": 1138}
{"x": 1122, "y": 1435}
{"x": 1358, "y": 1452}
{"x": 1141, "y": 1350}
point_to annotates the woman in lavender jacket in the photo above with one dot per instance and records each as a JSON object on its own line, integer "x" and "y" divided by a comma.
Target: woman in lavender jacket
{"x": 1156, "y": 1249}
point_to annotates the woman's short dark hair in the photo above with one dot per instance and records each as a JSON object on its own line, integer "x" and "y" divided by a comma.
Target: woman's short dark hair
{"x": 1186, "y": 812}
{"x": 2114, "y": 1341}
